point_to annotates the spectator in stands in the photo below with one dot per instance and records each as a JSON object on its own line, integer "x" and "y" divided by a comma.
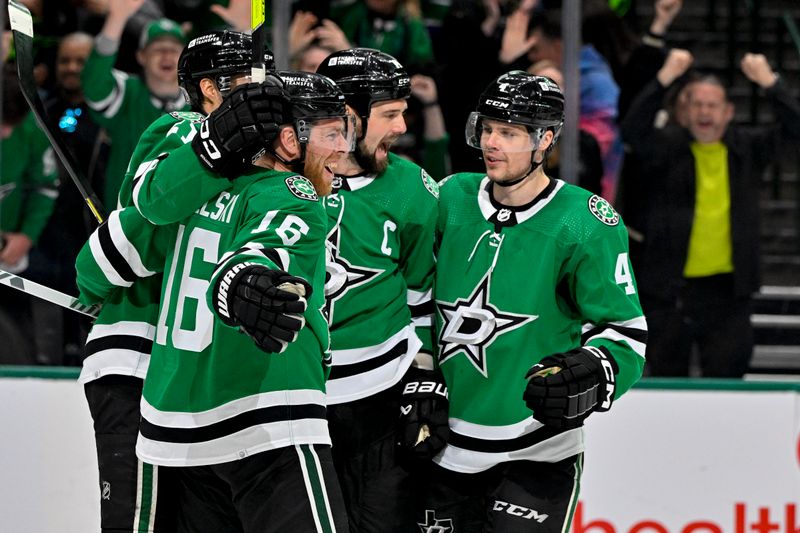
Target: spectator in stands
{"x": 391, "y": 26}
{"x": 311, "y": 41}
{"x": 125, "y": 104}
{"x": 599, "y": 93}
{"x": 700, "y": 261}
{"x": 484, "y": 38}
{"x": 426, "y": 140}
{"x": 27, "y": 194}
{"x": 590, "y": 165}
{"x": 53, "y": 258}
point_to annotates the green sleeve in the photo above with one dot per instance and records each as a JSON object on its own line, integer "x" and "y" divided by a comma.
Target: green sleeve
{"x": 162, "y": 196}
{"x": 417, "y": 258}
{"x": 165, "y": 134}
{"x": 605, "y": 293}
{"x": 42, "y": 175}
{"x": 420, "y": 48}
{"x": 435, "y": 157}
{"x": 121, "y": 250}
{"x": 104, "y": 88}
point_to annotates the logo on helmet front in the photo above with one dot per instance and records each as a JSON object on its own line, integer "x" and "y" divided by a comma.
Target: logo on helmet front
{"x": 496, "y": 103}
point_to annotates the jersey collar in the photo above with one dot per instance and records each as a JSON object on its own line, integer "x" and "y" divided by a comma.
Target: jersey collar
{"x": 504, "y": 215}
{"x": 351, "y": 183}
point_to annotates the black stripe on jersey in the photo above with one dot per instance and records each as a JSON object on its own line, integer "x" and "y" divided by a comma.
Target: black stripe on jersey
{"x": 639, "y": 335}
{"x": 423, "y": 309}
{"x": 113, "y": 255}
{"x": 501, "y": 446}
{"x": 345, "y": 371}
{"x": 265, "y": 415}
{"x": 119, "y": 342}
{"x": 273, "y": 255}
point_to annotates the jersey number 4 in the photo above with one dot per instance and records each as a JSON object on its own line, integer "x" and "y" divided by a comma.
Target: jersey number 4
{"x": 622, "y": 273}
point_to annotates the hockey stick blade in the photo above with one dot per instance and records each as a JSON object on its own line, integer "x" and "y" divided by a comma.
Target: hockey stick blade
{"x": 47, "y": 294}
{"x": 258, "y": 29}
{"x": 22, "y": 29}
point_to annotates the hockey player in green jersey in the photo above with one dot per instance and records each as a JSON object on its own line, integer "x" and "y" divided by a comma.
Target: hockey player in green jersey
{"x": 243, "y": 416}
{"x": 125, "y": 105}
{"x": 538, "y": 321}
{"x": 382, "y": 216}
{"x": 111, "y": 271}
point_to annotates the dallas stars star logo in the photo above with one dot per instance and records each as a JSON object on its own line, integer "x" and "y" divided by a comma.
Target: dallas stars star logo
{"x": 471, "y": 325}
{"x": 340, "y": 275}
{"x": 435, "y": 525}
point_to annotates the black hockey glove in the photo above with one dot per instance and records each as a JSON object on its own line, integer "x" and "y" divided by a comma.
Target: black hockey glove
{"x": 266, "y": 304}
{"x": 423, "y": 428}
{"x": 236, "y": 132}
{"x": 565, "y": 388}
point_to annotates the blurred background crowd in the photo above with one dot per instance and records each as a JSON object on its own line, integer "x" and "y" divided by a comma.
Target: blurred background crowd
{"x": 107, "y": 68}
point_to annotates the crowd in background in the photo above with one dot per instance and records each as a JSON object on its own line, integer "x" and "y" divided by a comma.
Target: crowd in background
{"x": 452, "y": 48}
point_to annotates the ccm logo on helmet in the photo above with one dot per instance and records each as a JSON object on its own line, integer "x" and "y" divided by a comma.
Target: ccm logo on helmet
{"x": 496, "y": 103}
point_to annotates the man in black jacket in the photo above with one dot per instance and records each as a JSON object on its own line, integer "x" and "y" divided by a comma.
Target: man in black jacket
{"x": 700, "y": 262}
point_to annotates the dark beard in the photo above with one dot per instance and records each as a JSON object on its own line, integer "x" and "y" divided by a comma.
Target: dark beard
{"x": 368, "y": 162}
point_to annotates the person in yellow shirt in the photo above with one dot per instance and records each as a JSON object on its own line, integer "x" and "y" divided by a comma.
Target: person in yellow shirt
{"x": 700, "y": 260}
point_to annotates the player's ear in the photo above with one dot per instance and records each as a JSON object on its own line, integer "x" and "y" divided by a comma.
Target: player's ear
{"x": 287, "y": 140}
{"x": 140, "y": 57}
{"x": 210, "y": 92}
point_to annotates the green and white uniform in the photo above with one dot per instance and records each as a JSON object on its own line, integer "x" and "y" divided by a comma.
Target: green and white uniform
{"x": 381, "y": 231}
{"x": 514, "y": 285}
{"x": 28, "y": 181}
{"x": 111, "y": 270}
{"x": 211, "y": 396}
{"x": 123, "y": 105}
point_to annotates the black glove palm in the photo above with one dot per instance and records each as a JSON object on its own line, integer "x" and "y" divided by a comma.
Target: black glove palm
{"x": 236, "y": 132}
{"x": 565, "y": 388}
{"x": 266, "y": 304}
{"x": 423, "y": 426}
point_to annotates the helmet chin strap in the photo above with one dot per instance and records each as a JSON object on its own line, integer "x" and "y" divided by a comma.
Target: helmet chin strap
{"x": 295, "y": 165}
{"x": 533, "y": 167}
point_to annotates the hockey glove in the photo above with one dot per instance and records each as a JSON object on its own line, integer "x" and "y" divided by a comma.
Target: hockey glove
{"x": 423, "y": 427}
{"x": 240, "y": 129}
{"x": 266, "y": 304}
{"x": 565, "y": 388}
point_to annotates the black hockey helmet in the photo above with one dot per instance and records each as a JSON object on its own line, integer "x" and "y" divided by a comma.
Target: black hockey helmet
{"x": 217, "y": 55}
{"x": 517, "y": 97}
{"x": 366, "y": 76}
{"x": 314, "y": 97}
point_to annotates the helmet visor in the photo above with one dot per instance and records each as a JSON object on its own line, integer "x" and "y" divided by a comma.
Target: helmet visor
{"x": 487, "y": 133}
{"x": 335, "y": 133}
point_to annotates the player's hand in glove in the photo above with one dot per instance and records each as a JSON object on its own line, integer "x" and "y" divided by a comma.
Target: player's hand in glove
{"x": 423, "y": 428}
{"x": 266, "y": 304}
{"x": 236, "y": 132}
{"x": 565, "y": 388}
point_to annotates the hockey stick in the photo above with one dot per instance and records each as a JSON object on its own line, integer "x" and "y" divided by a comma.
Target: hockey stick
{"x": 47, "y": 294}
{"x": 258, "y": 30}
{"x": 22, "y": 29}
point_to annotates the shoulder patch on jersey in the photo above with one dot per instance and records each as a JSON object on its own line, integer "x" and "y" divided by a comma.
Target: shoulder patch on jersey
{"x": 302, "y": 188}
{"x": 429, "y": 183}
{"x": 187, "y": 115}
{"x": 603, "y": 211}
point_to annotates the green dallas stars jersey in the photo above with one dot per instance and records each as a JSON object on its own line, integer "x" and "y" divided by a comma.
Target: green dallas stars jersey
{"x": 111, "y": 271}
{"x": 380, "y": 270}
{"x": 211, "y": 396}
{"x": 514, "y": 285}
